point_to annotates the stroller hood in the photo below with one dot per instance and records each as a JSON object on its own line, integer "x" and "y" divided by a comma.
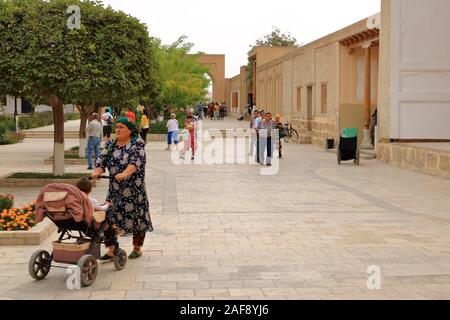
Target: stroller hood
{"x": 63, "y": 202}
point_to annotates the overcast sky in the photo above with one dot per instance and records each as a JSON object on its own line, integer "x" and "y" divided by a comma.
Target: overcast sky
{"x": 230, "y": 26}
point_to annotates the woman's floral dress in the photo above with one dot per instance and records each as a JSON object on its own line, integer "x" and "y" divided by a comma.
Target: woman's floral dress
{"x": 129, "y": 197}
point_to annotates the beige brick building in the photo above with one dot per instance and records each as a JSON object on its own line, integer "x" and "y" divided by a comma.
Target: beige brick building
{"x": 396, "y": 62}
{"x": 320, "y": 86}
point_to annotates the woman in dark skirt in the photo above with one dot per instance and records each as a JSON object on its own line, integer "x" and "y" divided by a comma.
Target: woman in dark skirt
{"x": 125, "y": 160}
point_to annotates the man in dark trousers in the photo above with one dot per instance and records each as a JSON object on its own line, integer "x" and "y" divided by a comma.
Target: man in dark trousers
{"x": 256, "y": 126}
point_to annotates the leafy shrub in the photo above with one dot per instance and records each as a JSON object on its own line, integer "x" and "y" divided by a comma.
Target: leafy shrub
{"x": 30, "y": 121}
{"x": 6, "y": 203}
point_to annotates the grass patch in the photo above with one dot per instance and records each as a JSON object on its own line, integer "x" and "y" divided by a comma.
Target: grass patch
{"x": 77, "y": 148}
{"x": 72, "y": 156}
{"x": 34, "y": 175}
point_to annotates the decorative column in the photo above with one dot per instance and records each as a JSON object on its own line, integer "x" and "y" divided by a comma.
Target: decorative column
{"x": 254, "y": 82}
{"x": 366, "y": 143}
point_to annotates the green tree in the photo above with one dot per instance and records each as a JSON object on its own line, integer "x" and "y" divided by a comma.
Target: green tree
{"x": 182, "y": 79}
{"x": 277, "y": 38}
{"x": 108, "y": 60}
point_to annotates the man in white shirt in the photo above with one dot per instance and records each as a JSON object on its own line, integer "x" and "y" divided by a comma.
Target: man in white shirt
{"x": 94, "y": 133}
{"x": 107, "y": 121}
{"x": 256, "y": 128}
{"x": 253, "y": 134}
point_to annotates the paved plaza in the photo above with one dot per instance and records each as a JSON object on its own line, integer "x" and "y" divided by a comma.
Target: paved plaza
{"x": 227, "y": 232}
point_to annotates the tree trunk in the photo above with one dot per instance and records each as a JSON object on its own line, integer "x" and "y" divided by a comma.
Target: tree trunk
{"x": 85, "y": 112}
{"x": 58, "y": 118}
{"x": 82, "y": 132}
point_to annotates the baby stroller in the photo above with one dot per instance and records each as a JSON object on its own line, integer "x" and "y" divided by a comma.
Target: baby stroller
{"x": 72, "y": 212}
{"x": 348, "y": 146}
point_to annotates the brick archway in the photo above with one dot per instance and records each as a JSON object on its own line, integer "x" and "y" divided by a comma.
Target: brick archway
{"x": 216, "y": 65}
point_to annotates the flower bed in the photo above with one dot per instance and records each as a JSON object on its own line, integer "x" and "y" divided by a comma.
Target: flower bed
{"x": 18, "y": 219}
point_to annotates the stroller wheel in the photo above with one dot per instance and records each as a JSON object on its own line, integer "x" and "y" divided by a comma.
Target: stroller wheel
{"x": 39, "y": 264}
{"x": 120, "y": 260}
{"x": 89, "y": 268}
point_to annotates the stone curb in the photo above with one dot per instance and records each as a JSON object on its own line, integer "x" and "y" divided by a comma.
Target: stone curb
{"x": 10, "y": 182}
{"x": 34, "y": 237}
{"x": 78, "y": 162}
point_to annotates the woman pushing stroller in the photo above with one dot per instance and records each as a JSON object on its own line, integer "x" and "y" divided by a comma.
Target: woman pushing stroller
{"x": 125, "y": 159}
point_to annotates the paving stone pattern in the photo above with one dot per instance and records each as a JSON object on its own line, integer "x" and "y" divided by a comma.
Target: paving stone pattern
{"x": 227, "y": 232}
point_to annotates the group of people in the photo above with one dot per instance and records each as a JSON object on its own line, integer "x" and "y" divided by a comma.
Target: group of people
{"x": 125, "y": 160}
{"x": 188, "y": 134}
{"x": 264, "y": 133}
{"x": 213, "y": 111}
{"x": 96, "y": 130}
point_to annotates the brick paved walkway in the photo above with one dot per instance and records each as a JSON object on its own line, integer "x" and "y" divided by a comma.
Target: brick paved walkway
{"x": 226, "y": 232}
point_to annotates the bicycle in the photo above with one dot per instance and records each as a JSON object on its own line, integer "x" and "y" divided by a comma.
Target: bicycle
{"x": 291, "y": 133}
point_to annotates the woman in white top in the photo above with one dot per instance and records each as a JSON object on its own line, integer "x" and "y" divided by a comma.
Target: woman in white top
{"x": 173, "y": 129}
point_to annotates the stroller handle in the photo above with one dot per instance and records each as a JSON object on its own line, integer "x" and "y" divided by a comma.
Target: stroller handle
{"x": 102, "y": 177}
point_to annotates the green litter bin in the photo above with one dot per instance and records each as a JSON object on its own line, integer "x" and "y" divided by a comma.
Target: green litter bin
{"x": 349, "y": 133}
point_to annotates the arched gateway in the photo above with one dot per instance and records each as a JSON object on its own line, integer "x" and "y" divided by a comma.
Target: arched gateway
{"x": 216, "y": 65}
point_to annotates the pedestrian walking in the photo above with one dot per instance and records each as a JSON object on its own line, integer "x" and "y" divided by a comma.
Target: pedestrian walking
{"x": 266, "y": 130}
{"x": 173, "y": 130}
{"x": 258, "y": 143}
{"x": 205, "y": 111}
{"x": 200, "y": 110}
{"x": 107, "y": 122}
{"x": 253, "y": 133}
{"x": 125, "y": 159}
{"x": 211, "y": 110}
{"x": 94, "y": 132}
{"x": 225, "y": 110}
{"x": 189, "y": 126}
{"x": 281, "y": 134}
{"x": 216, "y": 111}
{"x": 145, "y": 126}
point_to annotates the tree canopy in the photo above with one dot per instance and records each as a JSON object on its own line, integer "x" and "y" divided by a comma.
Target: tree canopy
{"x": 277, "y": 38}
{"x": 110, "y": 59}
{"x": 182, "y": 79}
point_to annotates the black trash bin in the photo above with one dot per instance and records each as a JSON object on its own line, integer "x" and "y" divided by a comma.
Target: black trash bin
{"x": 330, "y": 144}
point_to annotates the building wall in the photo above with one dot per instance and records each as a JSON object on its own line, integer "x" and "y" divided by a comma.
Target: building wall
{"x": 235, "y": 86}
{"x": 263, "y": 56}
{"x": 352, "y": 78}
{"x": 227, "y": 93}
{"x": 314, "y": 64}
{"x": 419, "y": 69}
{"x": 407, "y": 156}
{"x": 216, "y": 65}
{"x": 244, "y": 89}
{"x": 9, "y": 108}
{"x": 326, "y": 63}
{"x": 384, "y": 108}
{"x": 240, "y": 85}
{"x": 268, "y": 54}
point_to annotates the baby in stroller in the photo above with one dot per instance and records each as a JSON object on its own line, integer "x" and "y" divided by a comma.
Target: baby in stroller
{"x": 72, "y": 212}
{"x": 111, "y": 231}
